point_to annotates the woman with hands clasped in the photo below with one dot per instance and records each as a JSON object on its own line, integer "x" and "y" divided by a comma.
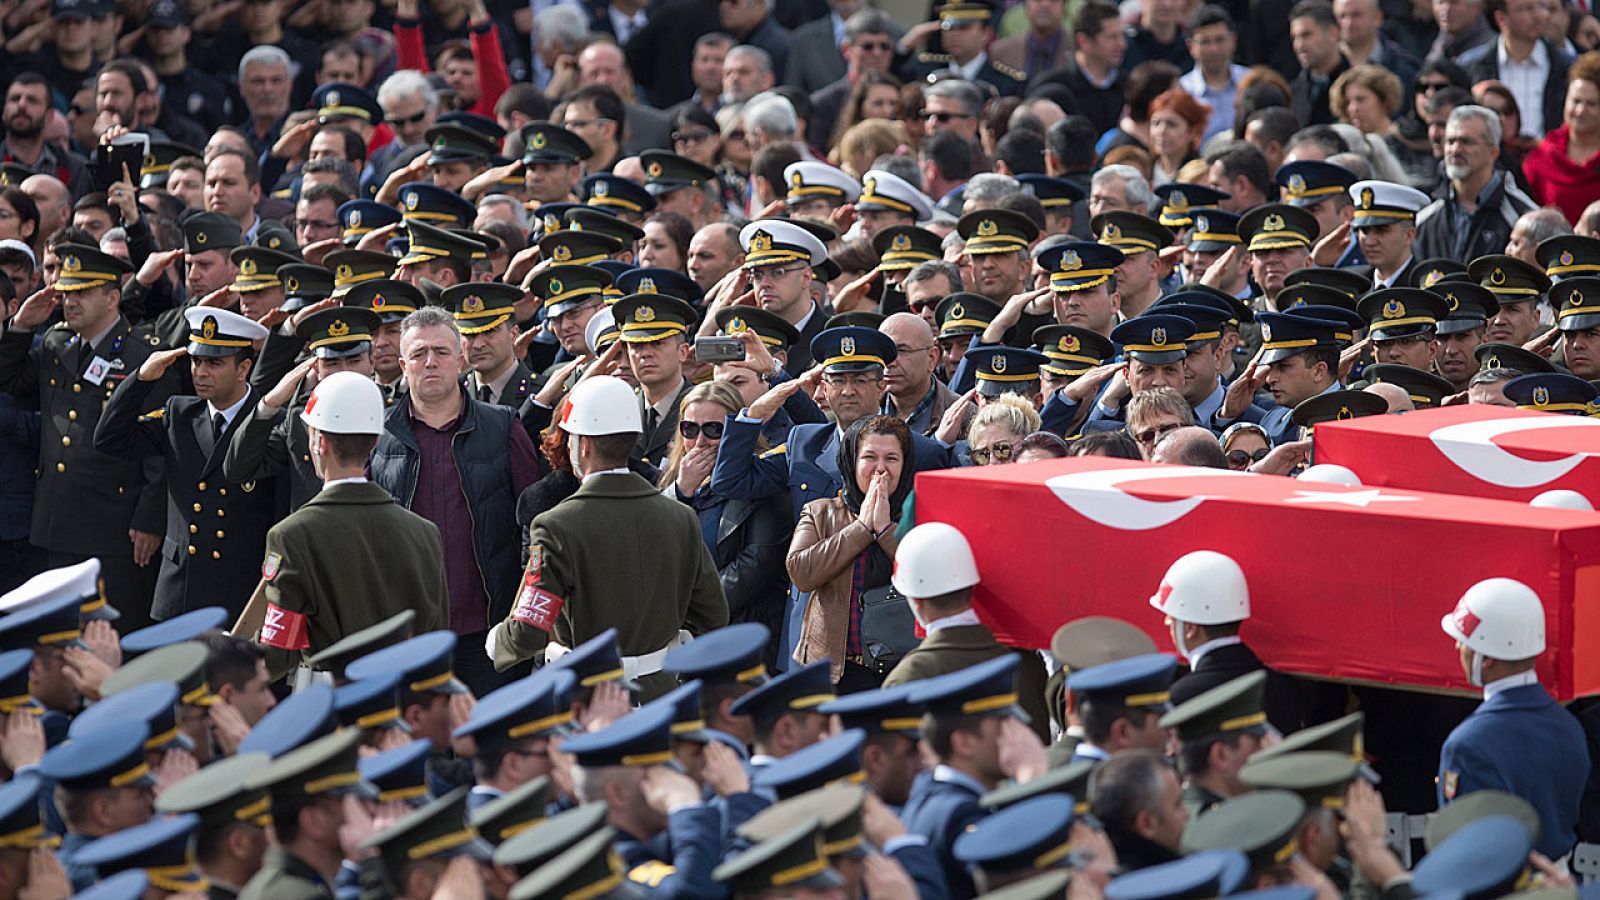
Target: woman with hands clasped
{"x": 844, "y": 546}
{"x": 747, "y": 538}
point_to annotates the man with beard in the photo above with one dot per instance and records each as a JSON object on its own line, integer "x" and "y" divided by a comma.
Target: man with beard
{"x": 221, "y": 525}
{"x": 26, "y": 109}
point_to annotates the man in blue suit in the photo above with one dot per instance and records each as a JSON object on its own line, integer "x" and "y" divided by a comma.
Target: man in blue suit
{"x": 1519, "y": 740}
{"x": 852, "y": 360}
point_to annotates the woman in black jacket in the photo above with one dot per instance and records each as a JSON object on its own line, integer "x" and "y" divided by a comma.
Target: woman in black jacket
{"x": 748, "y": 539}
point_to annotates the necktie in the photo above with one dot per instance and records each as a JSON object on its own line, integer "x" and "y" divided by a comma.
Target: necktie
{"x": 219, "y": 424}
{"x": 486, "y": 393}
{"x": 651, "y": 420}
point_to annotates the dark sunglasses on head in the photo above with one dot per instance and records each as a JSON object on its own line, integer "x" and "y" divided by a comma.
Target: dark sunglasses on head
{"x": 407, "y": 120}
{"x": 1239, "y": 458}
{"x": 692, "y": 430}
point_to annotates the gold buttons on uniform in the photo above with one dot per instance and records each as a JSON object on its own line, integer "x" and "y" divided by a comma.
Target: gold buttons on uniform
{"x": 61, "y": 467}
{"x": 201, "y": 485}
{"x": 66, "y": 441}
{"x": 802, "y": 485}
{"x": 122, "y": 490}
{"x": 221, "y": 513}
{"x": 222, "y": 491}
{"x": 72, "y": 415}
{"x": 220, "y": 534}
{"x": 77, "y": 389}
{"x": 194, "y": 529}
{"x": 191, "y": 550}
{"x": 215, "y": 555}
{"x": 197, "y": 507}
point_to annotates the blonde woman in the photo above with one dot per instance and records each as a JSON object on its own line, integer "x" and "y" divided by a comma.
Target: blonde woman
{"x": 747, "y": 539}
{"x": 998, "y": 428}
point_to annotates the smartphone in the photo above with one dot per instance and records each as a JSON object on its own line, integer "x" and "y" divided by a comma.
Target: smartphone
{"x": 718, "y": 349}
{"x": 128, "y": 150}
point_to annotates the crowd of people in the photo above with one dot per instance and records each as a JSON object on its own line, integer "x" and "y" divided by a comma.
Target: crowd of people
{"x": 469, "y": 449}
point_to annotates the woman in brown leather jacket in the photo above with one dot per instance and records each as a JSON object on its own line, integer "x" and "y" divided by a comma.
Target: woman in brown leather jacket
{"x": 844, "y": 546}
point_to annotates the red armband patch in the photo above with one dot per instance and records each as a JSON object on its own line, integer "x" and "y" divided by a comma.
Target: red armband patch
{"x": 535, "y": 605}
{"x": 285, "y": 630}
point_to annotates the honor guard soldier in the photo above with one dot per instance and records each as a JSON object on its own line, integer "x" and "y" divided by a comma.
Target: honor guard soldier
{"x": 1578, "y": 318}
{"x": 162, "y": 848}
{"x": 358, "y": 218}
{"x": 613, "y": 764}
{"x": 212, "y": 524}
{"x": 104, "y": 785}
{"x": 1554, "y": 392}
{"x": 936, "y": 572}
{"x": 625, "y": 199}
{"x": 351, "y": 556}
{"x": 1120, "y": 703}
{"x": 887, "y": 200}
{"x": 274, "y": 441}
{"x": 1519, "y": 740}
{"x": 1218, "y": 732}
{"x": 817, "y": 189}
{"x": 571, "y": 590}
{"x": 1206, "y": 599}
{"x": 655, "y": 328}
{"x": 962, "y": 730}
{"x": 87, "y": 503}
{"x": 306, "y": 787}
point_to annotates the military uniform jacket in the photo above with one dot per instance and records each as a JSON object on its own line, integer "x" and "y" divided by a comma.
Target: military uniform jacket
{"x": 278, "y": 445}
{"x": 519, "y": 387}
{"x": 679, "y": 861}
{"x": 284, "y": 876}
{"x": 1229, "y": 661}
{"x": 941, "y": 809}
{"x": 655, "y": 443}
{"x": 215, "y": 527}
{"x": 1006, "y": 81}
{"x": 957, "y": 647}
{"x": 349, "y": 558}
{"x": 615, "y": 554}
{"x": 1521, "y": 742}
{"x": 86, "y": 500}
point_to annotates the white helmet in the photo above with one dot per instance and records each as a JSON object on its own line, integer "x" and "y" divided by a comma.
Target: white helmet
{"x": 1500, "y": 618}
{"x": 345, "y": 403}
{"x": 933, "y": 559}
{"x": 1331, "y": 473}
{"x": 1204, "y": 588}
{"x": 1562, "y": 499}
{"x": 603, "y": 405}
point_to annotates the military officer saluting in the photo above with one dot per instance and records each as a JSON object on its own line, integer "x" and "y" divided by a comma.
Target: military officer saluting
{"x": 966, "y": 29}
{"x": 272, "y": 442}
{"x": 87, "y": 503}
{"x": 213, "y": 526}
{"x": 351, "y": 557}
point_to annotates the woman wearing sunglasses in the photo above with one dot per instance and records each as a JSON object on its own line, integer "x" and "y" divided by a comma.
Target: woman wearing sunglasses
{"x": 747, "y": 539}
{"x": 998, "y": 429}
{"x": 1244, "y": 445}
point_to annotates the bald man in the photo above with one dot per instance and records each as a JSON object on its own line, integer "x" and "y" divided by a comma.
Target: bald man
{"x": 1190, "y": 446}
{"x": 913, "y": 393}
{"x": 1393, "y": 394}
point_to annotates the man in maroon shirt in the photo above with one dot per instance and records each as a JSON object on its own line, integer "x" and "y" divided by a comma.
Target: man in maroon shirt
{"x": 460, "y": 464}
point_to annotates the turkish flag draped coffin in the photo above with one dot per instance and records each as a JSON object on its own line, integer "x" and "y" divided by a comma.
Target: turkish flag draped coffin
{"x": 1344, "y": 582}
{"x": 1480, "y": 451}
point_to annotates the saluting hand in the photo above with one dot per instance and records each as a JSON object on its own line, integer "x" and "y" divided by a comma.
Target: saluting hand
{"x": 724, "y": 772}
{"x": 47, "y": 877}
{"x": 24, "y": 740}
{"x": 769, "y": 403}
{"x": 1088, "y": 384}
{"x": 102, "y": 641}
{"x": 1243, "y": 390}
{"x": 1350, "y": 355}
{"x": 854, "y": 296}
{"x": 157, "y": 263}
{"x": 35, "y": 310}
{"x": 949, "y": 430}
